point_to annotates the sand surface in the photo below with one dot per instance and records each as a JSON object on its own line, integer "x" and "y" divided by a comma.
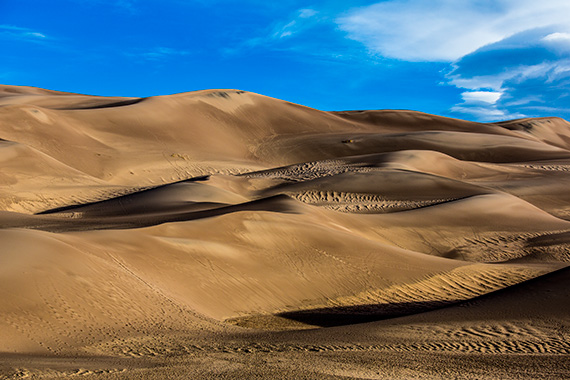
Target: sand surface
{"x": 225, "y": 234}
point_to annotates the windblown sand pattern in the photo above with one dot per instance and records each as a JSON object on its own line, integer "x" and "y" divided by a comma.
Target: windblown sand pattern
{"x": 224, "y": 234}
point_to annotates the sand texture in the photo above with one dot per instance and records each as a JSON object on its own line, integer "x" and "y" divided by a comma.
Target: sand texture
{"x": 225, "y": 234}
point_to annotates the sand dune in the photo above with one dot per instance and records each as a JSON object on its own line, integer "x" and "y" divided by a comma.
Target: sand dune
{"x": 152, "y": 237}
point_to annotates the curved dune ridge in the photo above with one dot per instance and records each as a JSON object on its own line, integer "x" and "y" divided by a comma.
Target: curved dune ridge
{"x": 167, "y": 232}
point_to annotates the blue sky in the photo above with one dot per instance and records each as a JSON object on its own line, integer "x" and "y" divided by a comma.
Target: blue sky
{"x": 483, "y": 60}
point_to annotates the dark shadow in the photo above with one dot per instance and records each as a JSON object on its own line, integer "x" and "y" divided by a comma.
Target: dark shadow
{"x": 105, "y": 202}
{"x": 121, "y": 103}
{"x": 549, "y": 290}
{"x": 549, "y": 239}
{"x": 53, "y": 223}
{"x": 349, "y": 315}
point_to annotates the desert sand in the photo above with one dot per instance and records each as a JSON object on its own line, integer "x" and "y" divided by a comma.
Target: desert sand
{"x": 225, "y": 234}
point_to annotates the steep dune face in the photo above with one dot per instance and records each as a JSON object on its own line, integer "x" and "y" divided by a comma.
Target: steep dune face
{"x": 125, "y": 219}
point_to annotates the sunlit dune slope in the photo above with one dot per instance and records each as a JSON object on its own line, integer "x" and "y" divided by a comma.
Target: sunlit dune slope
{"x": 125, "y": 219}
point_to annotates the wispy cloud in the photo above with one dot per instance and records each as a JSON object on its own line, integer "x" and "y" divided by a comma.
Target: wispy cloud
{"x": 307, "y": 13}
{"x": 123, "y": 6}
{"x": 304, "y": 19}
{"x": 22, "y": 34}
{"x": 499, "y": 51}
{"x": 129, "y": 5}
{"x": 309, "y": 36}
{"x": 159, "y": 53}
{"x": 276, "y": 34}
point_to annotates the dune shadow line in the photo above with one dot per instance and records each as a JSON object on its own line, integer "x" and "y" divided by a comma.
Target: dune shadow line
{"x": 349, "y": 315}
{"x": 71, "y": 208}
{"x": 278, "y": 203}
{"x": 121, "y": 103}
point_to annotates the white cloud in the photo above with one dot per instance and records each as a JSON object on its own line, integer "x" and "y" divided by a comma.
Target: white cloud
{"x": 482, "y": 105}
{"x": 520, "y": 91}
{"x": 558, "y": 41}
{"x": 489, "y": 97}
{"x": 512, "y": 56}
{"x": 557, "y": 37}
{"x": 446, "y": 30}
{"x": 485, "y": 114}
{"x": 495, "y": 81}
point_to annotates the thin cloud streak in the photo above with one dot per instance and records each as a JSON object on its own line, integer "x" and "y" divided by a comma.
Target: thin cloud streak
{"x": 272, "y": 38}
{"x": 159, "y": 53}
{"x": 21, "y": 33}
